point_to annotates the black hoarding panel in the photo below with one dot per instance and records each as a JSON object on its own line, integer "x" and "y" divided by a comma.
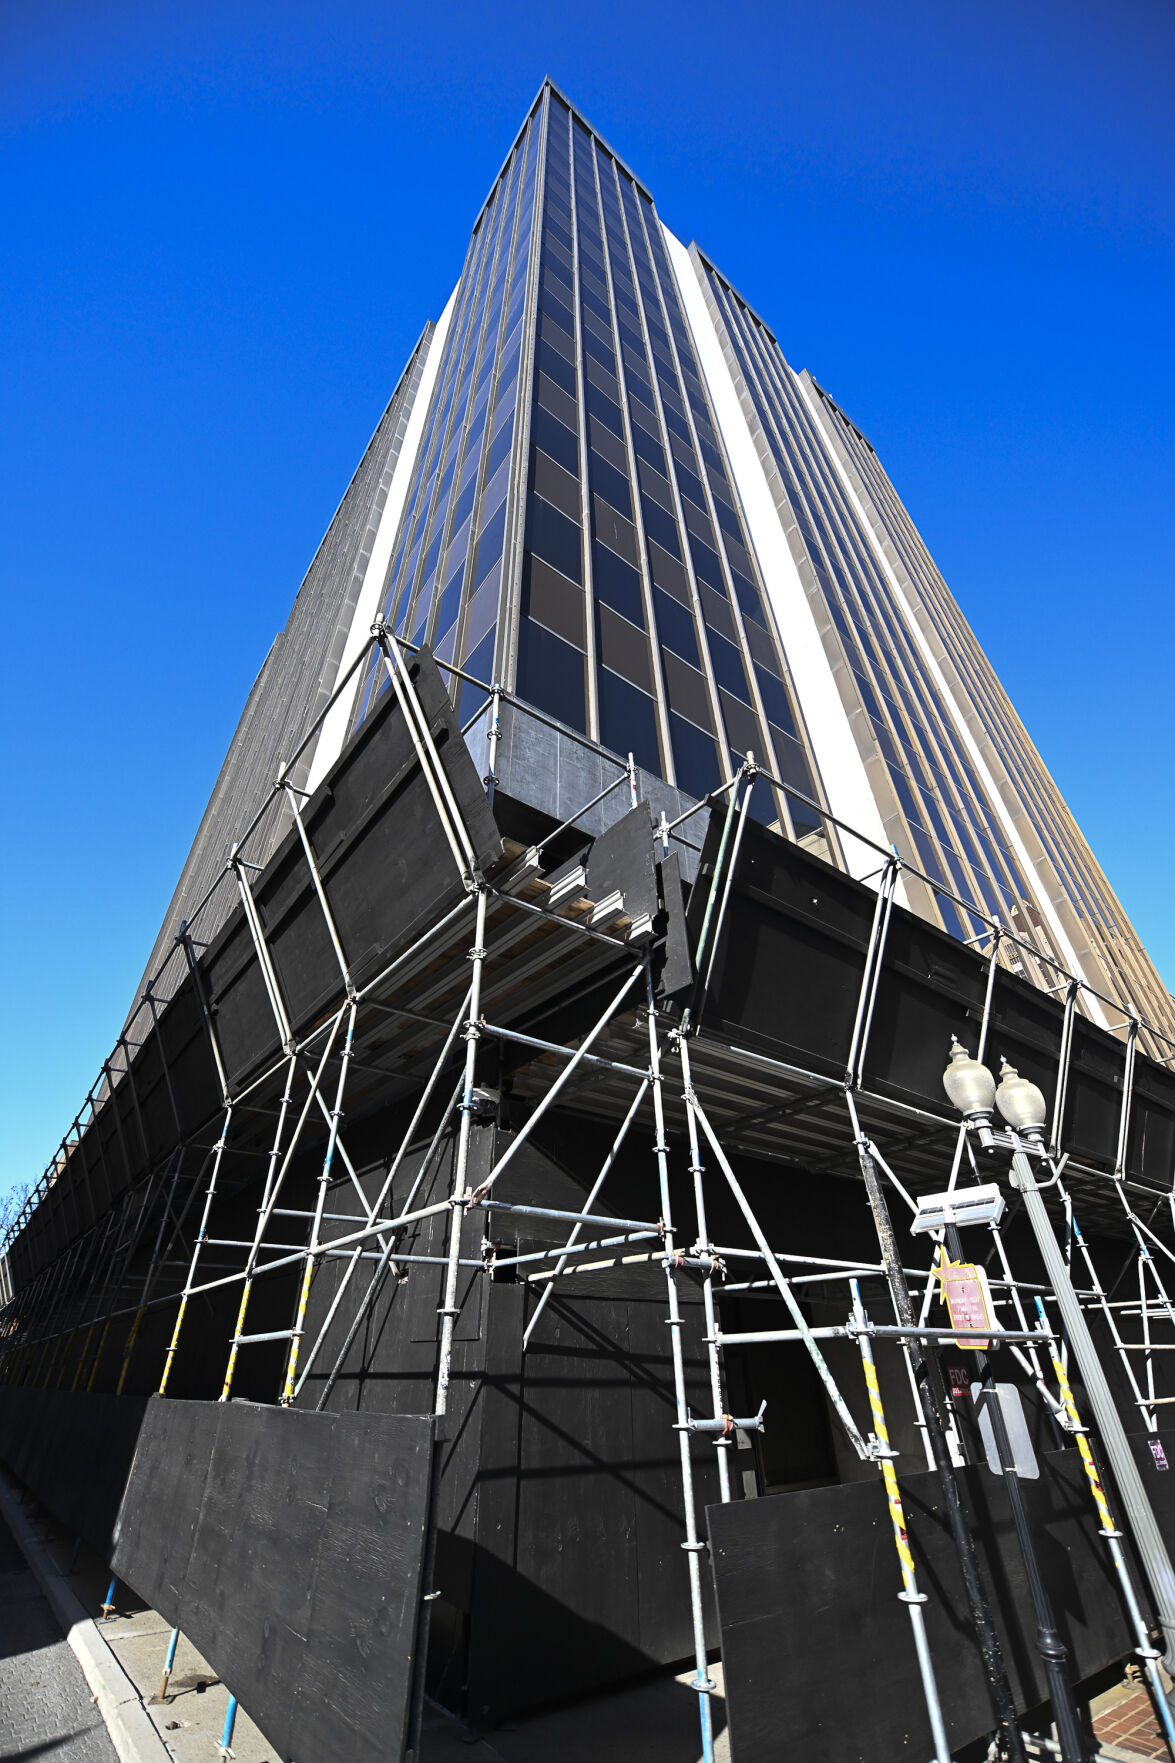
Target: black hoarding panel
{"x": 676, "y": 969}
{"x": 388, "y": 873}
{"x": 787, "y": 978}
{"x": 791, "y": 952}
{"x": 287, "y": 1546}
{"x": 621, "y": 859}
{"x": 385, "y": 864}
{"x": 73, "y": 1450}
{"x": 816, "y": 1644}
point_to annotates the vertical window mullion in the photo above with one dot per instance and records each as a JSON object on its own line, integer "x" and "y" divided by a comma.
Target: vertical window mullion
{"x": 721, "y": 738}
{"x": 660, "y": 706}
{"x": 493, "y": 345}
{"x": 585, "y": 495}
{"x": 513, "y": 541}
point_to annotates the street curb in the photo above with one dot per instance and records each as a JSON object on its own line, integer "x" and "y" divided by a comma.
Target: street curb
{"x": 132, "y": 1731}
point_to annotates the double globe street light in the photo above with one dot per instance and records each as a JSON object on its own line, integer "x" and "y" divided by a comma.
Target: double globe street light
{"x": 972, "y": 1089}
{"x": 1022, "y": 1106}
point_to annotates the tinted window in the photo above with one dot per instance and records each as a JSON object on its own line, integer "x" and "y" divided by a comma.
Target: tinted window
{"x": 627, "y": 720}
{"x": 550, "y": 674}
{"x": 617, "y": 584}
{"x": 554, "y": 538}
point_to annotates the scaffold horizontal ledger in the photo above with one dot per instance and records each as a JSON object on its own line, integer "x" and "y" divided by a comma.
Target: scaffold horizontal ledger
{"x": 539, "y": 972}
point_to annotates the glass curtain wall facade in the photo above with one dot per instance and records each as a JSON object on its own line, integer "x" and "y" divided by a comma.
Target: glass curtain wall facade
{"x": 573, "y": 528}
{"x": 935, "y": 805}
{"x": 641, "y": 615}
{"x": 445, "y": 580}
{"x": 1062, "y": 859}
{"x": 583, "y": 544}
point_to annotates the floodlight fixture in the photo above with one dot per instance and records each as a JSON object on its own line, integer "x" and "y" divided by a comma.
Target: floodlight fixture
{"x": 961, "y": 1206}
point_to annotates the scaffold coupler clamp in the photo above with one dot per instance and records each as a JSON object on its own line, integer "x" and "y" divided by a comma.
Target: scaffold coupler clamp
{"x": 709, "y": 1258}
{"x": 724, "y": 1424}
{"x": 880, "y": 1450}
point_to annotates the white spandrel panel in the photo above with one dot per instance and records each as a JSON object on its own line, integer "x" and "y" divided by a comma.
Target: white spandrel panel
{"x": 846, "y": 784}
{"x": 334, "y": 728}
{"x": 950, "y": 708}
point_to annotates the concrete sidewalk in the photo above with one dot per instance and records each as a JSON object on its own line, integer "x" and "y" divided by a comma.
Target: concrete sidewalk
{"x": 651, "y": 1722}
{"x": 46, "y": 1708}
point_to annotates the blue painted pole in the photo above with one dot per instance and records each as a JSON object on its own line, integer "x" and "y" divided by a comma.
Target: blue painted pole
{"x": 230, "y": 1720}
{"x": 108, "y": 1601}
{"x": 168, "y": 1663}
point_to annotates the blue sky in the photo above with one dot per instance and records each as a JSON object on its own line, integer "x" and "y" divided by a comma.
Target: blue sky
{"x": 224, "y": 226}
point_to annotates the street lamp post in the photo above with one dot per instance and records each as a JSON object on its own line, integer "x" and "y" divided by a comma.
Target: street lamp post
{"x": 972, "y": 1089}
{"x": 994, "y": 1670}
{"x": 1023, "y": 1109}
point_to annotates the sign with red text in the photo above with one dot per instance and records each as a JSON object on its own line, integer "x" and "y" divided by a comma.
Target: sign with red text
{"x": 967, "y": 1298}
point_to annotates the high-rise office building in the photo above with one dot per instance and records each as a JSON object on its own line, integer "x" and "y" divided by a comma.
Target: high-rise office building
{"x": 495, "y": 1078}
{"x": 601, "y": 484}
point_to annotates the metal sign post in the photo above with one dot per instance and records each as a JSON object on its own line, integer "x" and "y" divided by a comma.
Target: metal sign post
{"x": 1053, "y": 1652}
{"x": 994, "y": 1669}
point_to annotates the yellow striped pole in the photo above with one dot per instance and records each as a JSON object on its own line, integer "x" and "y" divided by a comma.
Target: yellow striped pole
{"x": 175, "y": 1336}
{"x": 909, "y": 1594}
{"x": 98, "y": 1355}
{"x": 315, "y": 1247}
{"x": 1146, "y": 1652}
{"x": 210, "y": 1194}
{"x": 82, "y": 1357}
{"x": 132, "y": 1332}
{"x": 64, "y": 1366}
{"x": 231, "y": 1367}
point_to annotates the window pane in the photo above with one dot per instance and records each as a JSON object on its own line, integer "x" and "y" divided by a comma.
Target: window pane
{"x": 627, "y": 721}
{"x": 550, "y": 674}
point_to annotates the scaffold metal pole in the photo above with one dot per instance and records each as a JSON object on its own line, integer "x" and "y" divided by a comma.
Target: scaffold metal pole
{"x": 694, "y": 1548}
{"x": 910, "y": 1596}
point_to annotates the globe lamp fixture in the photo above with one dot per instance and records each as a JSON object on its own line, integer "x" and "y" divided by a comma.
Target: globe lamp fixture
{"x": 1020, "y": 1102}
{"x": 968, "y": 1084}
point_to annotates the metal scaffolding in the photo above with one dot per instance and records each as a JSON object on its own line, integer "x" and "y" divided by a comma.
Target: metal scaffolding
{"x": 521, "y": 932}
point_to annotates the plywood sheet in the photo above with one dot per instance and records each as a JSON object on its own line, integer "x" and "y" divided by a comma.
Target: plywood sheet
{"x": 807, "y": 1588}
{"x": 287, "y": 1546}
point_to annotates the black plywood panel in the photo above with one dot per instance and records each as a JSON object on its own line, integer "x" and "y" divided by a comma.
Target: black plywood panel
{"x": 579, "y": 1579}
{"x": 789, "y": 960}
{"x": 807, "y": 1588}
{"x": 787, "y": 977}
{"x": 292, "y": 1562}
{"x": 173, "y": 1460}
{"x": 622, "y": 858}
